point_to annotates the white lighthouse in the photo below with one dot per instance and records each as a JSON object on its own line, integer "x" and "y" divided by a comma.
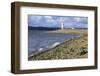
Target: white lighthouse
{"x": 62, "y": 23}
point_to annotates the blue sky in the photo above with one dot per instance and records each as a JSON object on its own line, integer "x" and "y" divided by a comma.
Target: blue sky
{"x": 54, "y": 21}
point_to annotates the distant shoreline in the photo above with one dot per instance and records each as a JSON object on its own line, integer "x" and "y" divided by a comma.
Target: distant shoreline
{"x": 49, "y": 28}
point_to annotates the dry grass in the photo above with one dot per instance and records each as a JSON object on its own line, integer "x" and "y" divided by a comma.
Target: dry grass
{"x": 72, "y": 31}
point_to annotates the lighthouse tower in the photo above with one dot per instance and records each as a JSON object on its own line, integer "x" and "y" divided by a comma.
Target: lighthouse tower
{"x": 62, "y": 23}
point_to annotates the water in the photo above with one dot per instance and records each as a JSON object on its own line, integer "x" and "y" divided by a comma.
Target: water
{"x": 42, "y": 40}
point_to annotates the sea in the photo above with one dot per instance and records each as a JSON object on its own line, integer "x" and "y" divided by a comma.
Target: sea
{"x": 39, "y": 40}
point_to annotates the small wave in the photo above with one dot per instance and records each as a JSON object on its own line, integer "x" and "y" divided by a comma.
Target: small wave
{"x": 40, "y": 49}
{"x": 55, "y": 44}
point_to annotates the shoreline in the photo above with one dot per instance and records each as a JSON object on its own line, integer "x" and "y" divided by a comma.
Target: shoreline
{"x": 69, "y": 49}
{"x": 50, "y": 48}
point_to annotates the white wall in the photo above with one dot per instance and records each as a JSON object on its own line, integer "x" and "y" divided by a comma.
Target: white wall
{"x": 5, "y": 30}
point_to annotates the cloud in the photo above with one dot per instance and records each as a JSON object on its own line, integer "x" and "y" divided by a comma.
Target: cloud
{"x": 34, "y": 18}
{"x": 81, "y": 19}
{"x": 77, "y": 19}
{"x": 50, "y": 20}
{"x": 48, "y": 17}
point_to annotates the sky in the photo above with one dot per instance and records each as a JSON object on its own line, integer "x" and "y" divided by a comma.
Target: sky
{"x": 55, "y": 21}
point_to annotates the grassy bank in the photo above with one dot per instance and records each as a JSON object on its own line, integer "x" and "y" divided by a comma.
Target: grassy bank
{"x": 72, "y": 31}
{"x": 72, "y": 49}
